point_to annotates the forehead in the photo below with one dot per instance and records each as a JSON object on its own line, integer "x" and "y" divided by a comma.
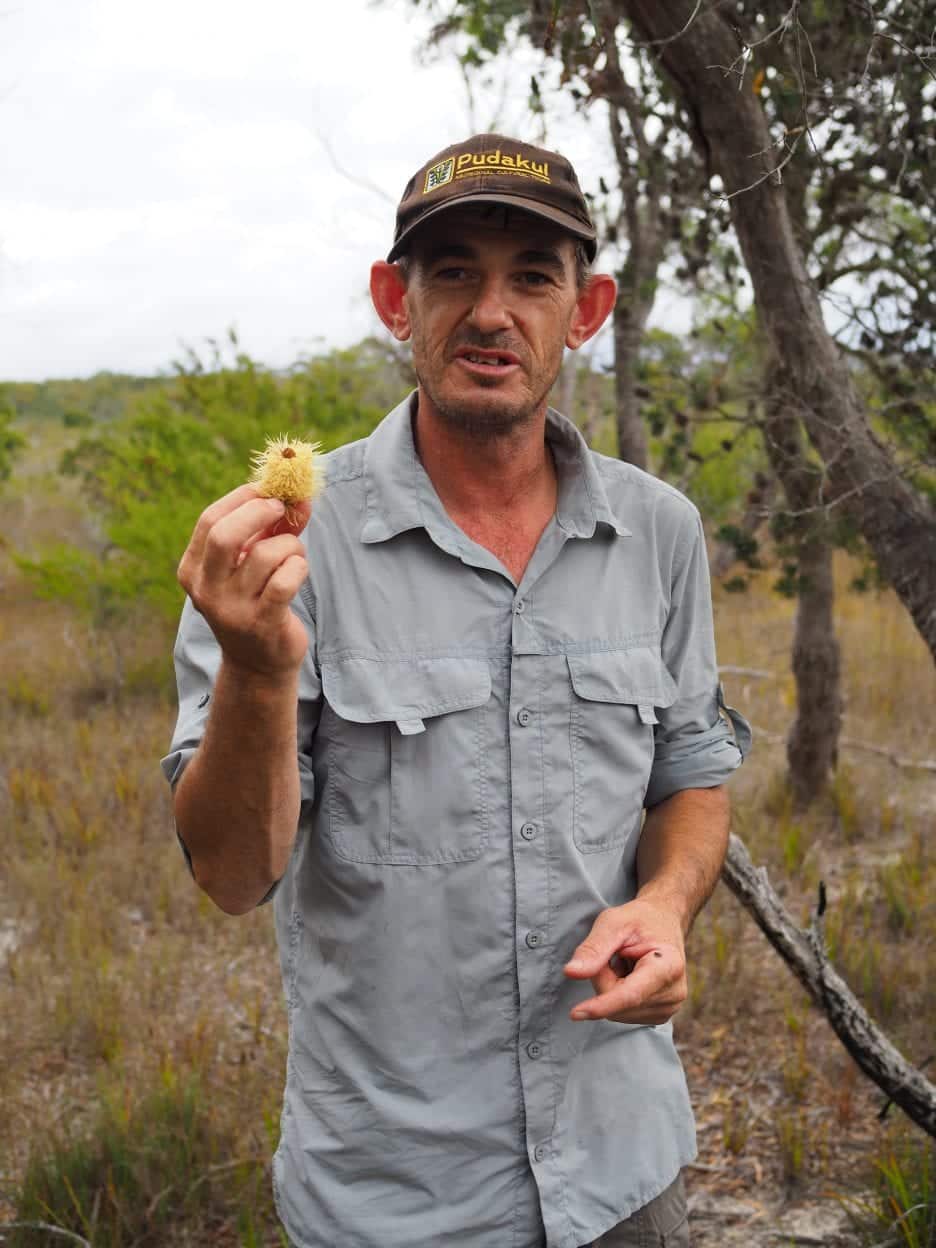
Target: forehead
{"x": 489, "y": 228}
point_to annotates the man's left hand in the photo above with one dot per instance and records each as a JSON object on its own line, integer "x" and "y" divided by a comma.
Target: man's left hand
{"x": 635, "y": 957}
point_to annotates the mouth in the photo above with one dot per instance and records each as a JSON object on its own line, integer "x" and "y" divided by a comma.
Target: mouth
{"x": 484, "y": 363}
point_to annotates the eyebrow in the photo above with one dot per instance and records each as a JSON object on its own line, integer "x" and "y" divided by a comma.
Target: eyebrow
{"x": 547, "y": 257}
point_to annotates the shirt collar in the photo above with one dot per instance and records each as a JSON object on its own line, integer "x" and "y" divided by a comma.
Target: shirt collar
{"x": 399, "y": 495}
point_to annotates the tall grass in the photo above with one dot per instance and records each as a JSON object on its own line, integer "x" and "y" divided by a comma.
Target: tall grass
{"x": 142, "y": 1032}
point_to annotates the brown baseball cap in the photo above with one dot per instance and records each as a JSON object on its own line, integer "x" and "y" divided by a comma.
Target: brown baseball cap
{"x": 493, "y": 169}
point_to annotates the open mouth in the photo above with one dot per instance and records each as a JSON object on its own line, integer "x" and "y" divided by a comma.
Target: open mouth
{"x": 487, "y": 363}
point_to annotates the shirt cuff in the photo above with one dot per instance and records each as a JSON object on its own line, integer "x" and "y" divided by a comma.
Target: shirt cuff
{"x": 701, "y": 760}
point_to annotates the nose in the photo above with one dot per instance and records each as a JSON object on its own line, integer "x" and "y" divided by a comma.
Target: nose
{"x": 490, "y": 311}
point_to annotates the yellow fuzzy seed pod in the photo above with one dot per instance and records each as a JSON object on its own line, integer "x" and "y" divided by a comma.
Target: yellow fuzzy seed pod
{"x": 287, "y": 469}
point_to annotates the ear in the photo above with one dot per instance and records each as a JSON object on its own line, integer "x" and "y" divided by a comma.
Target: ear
{"x": 592, "y": 307}
{"x": 388, "y": 293}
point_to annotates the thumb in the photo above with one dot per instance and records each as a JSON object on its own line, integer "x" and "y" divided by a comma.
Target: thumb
{"x": 606, "y": 937}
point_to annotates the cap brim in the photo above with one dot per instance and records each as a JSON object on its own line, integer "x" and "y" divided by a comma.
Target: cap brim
{"x": 556, "y": 216}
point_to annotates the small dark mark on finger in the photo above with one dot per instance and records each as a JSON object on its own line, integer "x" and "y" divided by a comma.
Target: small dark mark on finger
{"x": 657, "y": 954}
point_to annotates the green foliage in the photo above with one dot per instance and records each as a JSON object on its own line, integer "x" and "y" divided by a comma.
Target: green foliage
{"x": 746, "y": 545}
{"x": 902, "y": 1210}
{"x": 10, "y": 439}
{"x": 143, "y": 1170}
{"x": 76, "y": 419}
{"x": 151, "y": 473}
{"x": 101, "y": 398}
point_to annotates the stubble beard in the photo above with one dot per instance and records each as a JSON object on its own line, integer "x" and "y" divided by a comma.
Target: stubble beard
{"x": 486, "y": 418}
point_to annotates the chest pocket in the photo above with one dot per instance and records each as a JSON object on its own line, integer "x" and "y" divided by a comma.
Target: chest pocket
{"x": 405, "y": 743}
{"x": 613, "y": 710}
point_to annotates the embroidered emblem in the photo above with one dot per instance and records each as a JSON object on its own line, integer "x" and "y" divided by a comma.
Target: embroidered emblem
{"x": 439, "y": 175}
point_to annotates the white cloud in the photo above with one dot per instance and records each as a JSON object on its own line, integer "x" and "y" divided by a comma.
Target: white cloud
{"x": 164, "y": 175}
{"x": 165, "y": 172}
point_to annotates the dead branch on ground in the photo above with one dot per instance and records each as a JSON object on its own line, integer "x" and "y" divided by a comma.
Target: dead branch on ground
{"x": 805, "y": 954}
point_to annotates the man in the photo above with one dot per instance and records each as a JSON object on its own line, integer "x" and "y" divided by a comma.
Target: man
{"x": 429, "y": 728}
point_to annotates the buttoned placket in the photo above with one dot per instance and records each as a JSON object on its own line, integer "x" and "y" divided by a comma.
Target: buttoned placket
{"x": 537, "y": 962}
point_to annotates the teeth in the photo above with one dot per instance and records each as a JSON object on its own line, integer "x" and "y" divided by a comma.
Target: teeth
{"x": 478, "y": 359}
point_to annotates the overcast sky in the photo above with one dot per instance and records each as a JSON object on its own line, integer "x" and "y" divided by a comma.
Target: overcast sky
{"x": 163, "y": 173}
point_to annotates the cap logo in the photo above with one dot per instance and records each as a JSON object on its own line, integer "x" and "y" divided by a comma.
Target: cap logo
{"x": 470, "y": 163}
{"x": 439, "y": 175}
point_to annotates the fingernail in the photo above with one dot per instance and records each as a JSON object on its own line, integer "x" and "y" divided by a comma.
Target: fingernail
{"x": 578, "y": 1015}
{"x": 278, "y": 505}
{"x": 576, "y": 964}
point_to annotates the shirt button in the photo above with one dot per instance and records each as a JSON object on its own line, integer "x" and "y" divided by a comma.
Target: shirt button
{"x": 540, "y": 1153}
{"x": 534, "y": 1050}
{"x": 534, "y": 939}
{"x": 528, "y": 831}
{"x": 519, "y": 606}
{"x": 524, "y": 716}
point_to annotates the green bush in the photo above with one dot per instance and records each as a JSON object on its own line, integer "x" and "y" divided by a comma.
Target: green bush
{"x": 152, "y": 472}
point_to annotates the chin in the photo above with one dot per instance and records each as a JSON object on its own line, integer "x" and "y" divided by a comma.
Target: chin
{"x": 486, "y": 412}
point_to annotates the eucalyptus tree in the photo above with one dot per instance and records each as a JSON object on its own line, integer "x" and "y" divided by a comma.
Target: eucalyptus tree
{"x": 832, "y": 202}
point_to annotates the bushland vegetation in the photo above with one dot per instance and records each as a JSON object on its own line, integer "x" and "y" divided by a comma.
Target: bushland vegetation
{"x": 143, "y": 1032}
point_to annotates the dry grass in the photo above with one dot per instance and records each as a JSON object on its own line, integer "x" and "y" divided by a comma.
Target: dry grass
{"x": 131, "y": 1010}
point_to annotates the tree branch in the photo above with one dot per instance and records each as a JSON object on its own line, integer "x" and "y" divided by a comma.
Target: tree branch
{"x": 43, "y": 1226}
{"x": 804, "y": 952}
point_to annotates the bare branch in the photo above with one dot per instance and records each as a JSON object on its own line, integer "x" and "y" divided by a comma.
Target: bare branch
{"x": 758, "y": 672}
{"x": 905, "y": 764}
{"x": 881, "y": 34}
{"x": 773, "y": 175}
{"x": 657, "y": 43}
{"x": 804, "y": 952}
{"x": 364, "y": 183}
{"x": 43, "y": 1226}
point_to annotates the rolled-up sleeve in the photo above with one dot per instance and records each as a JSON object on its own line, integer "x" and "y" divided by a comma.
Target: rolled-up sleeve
{"x": 197, "y": 658}
{"x": 699, "y": 741}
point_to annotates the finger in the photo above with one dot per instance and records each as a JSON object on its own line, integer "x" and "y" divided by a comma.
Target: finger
{"x": 220, "y": 508}
{"x": 284, "y": 583}
{"x": 262, "y": 560}
{"x": 231, "y": 533}
{"x": 604, "y": 981}
{"x": 606, "y": 937}
{"x": 293, "y": 521}
{"x": 648, "y": 986}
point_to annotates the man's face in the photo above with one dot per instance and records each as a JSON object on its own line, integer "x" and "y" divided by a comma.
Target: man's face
{"x": 490, "y": 296}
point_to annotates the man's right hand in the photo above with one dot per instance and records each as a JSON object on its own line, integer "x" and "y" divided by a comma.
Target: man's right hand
{"x": 242, "y": 569}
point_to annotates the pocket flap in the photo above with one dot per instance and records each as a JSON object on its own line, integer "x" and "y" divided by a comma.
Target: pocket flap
{"x": 406, "y": 691}
{"x": 638, "y": 677}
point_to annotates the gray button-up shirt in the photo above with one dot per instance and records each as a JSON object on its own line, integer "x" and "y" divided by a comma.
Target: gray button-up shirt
{"x": 475, "y": 756}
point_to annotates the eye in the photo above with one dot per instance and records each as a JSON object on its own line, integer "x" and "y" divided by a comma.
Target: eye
{"x": 451, "y": 274}
{"x": 532, "y": 277}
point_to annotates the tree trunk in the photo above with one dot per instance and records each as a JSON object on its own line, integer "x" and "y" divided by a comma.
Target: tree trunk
{"x": 861, "y": 478}
{"x": 812, "y": 745}
{"x": 629, "y": 324}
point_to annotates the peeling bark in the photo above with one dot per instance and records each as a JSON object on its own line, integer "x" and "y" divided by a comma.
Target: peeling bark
{"x": 804, "y": 953}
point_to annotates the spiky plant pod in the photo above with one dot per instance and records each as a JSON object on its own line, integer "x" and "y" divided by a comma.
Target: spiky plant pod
{"x": 288, "y": 469}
